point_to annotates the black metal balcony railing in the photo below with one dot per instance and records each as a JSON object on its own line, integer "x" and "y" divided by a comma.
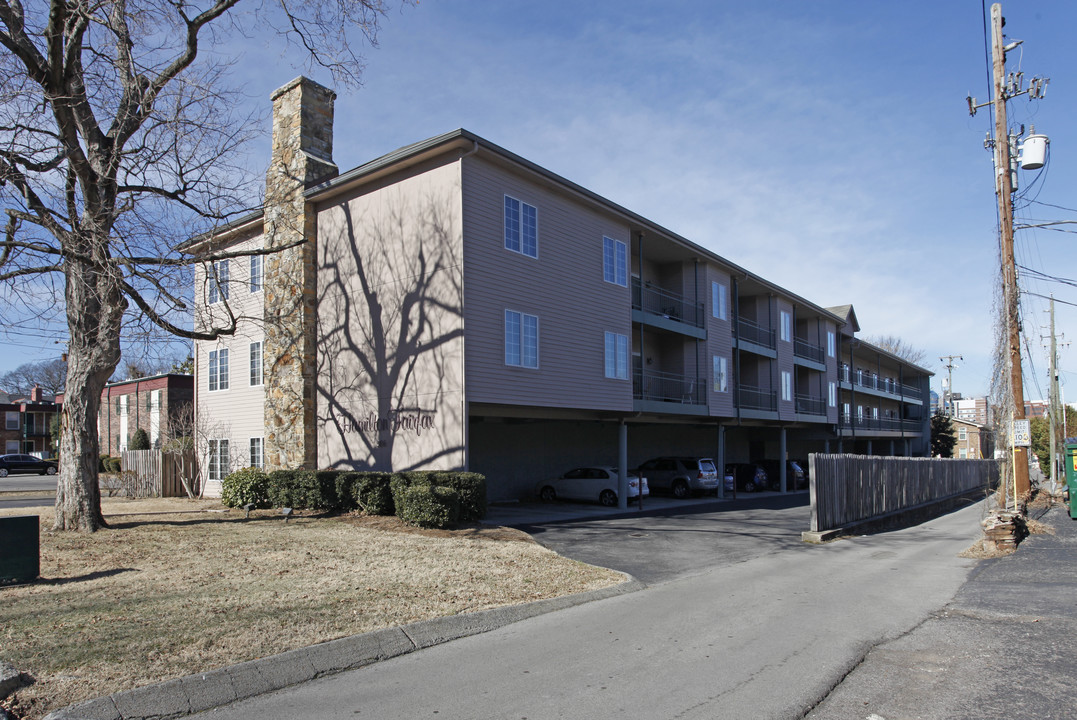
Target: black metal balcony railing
{"x": 872, "y": 423}
{"x": 658, "y": 301}
{"x": 808, "y": 405}
{"x": 755, "y": 333}
{"x": 753, "y": 398}
{"x": 808, "y": 351}
{"x": 874, "y": 382}
{"x": 668, "y": 387}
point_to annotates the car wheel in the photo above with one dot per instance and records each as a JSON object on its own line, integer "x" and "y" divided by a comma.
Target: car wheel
{"x": 749, "y": 486}
{"x": 548, "y": 494}
{"x": 3, "y": 472}
{"x": 50, "y": 470}
{"x": 681, "y": 489}
{"x": 607, "y": 498}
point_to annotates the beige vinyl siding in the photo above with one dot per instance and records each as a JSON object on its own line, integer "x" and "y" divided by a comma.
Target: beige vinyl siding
{"x": 390, "y": 324}
{"x": 563, "y": 287}
{"x": 238, "y": 413}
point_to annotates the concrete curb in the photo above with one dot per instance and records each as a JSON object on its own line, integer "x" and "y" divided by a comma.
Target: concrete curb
{"x": 205, "y": 691}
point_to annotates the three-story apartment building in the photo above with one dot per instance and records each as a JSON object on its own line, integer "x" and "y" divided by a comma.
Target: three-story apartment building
{"x": 453, "y": 305}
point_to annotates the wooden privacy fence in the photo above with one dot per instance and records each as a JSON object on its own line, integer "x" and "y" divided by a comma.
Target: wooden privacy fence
{"x": 153, "y": 473}
{"x": 849, "y": 489}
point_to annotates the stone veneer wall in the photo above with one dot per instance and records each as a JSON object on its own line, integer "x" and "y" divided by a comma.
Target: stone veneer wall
{"x": 302, "y": 153}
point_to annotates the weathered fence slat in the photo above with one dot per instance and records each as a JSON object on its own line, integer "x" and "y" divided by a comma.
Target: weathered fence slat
{"x": 153, "y": 473}
{"x": 847, "y": 489}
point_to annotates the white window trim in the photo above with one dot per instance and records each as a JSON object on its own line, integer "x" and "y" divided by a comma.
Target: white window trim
{"x": 216, "y": 380}
{"x": 256, "y": 459}
{"x": 720, "y": 368}
{"x": 518, "y": 232}
{"x": 615, "y": 355}
{"x": 831, "y": 343}
{"x": 832, "y": 394}
{"x": 522, "y": 341}
{"x": 259, "y": 379}
{"x": 720, "y": 300}
{"x": 787, "y": 386}
{"x": 787, "y": 326}
{"x": 614, "y": 261}
{"x": 218, "y": 281}
{"x": 11, "y": 420}
{"x": 218, "y": 470}
{"x": 260, "y": 275}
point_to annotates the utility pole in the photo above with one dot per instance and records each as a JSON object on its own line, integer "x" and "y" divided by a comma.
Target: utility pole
{"x": 1004, "y": 145}
{"x": 947, "y": 398}
{"x": 1054, "y": 401}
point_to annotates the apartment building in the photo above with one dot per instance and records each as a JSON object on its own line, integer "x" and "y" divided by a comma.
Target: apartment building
{"x": 162, "y": 405}
{"x": 458, "y": 306}
{"x": 28, "y": 424}
{"x": 974, "y": 440}
{"x": 977, "y": 410}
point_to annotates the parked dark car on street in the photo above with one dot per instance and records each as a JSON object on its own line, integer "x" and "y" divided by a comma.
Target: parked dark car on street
{"x": 681, "y": 476}
{"x": 795, "y": 477}
{"x": 748, "y": 477}
{"x": 11, "y": 464}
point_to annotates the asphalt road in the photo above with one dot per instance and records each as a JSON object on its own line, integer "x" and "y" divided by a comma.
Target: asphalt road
{"x": 28, "y": 483}
{"x": 761, "y": 627}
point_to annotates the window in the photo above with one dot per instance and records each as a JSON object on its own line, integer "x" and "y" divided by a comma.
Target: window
{"x": 218, "y": 369}
{"x": 256, "y": 273}
{"x": 845, "y": 410}
{"x": 860, "y": 412}
{"x": 832, "y": 395}
{"x": 521, "y": 227}
{"x": 218, "y": 282}
{"x": 123, "y": 406}
{"x": 256, "y": 452}
{"x": 962, "y": 453}
{"x": 719, "y": 301}
{"x": 521, "y": 339}
{"x": 787, "y": 385}
{"x": 787, "y": 326}
{"x": 721, "y": 382}
{"x": 256, "y": 363}
{"x": 831, "y": 345}
{"x": 962, "y": 434}
{"x": 11, "y": 420}
{"x": 218, "y": 459}
{"x": 614, "y": 261}
{"x": 875, "y": 413}
{"x": 616, "y": 356}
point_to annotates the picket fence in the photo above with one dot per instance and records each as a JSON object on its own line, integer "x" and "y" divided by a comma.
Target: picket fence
{"x": 850, "y": 489}
{"x": 153, "y": 473}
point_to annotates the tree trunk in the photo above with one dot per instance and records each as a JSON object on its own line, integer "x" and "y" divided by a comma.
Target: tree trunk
{"x": 94, "y": 312}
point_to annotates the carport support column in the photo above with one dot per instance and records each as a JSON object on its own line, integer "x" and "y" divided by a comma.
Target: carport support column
{"x": 720, "y": 458}
{"x": 781, "y": 458}
{"x": 622, "y": 466}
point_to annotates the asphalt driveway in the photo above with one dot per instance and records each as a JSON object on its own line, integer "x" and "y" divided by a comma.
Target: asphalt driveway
{"x": 670, "y": 538}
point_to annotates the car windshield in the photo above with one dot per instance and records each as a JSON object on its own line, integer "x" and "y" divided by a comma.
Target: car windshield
{"x": 707, "y": 466}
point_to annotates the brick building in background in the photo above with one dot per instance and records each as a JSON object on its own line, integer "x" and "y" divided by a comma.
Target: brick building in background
{"x": 27, "y": 423}
{"x": 151, "y": 403}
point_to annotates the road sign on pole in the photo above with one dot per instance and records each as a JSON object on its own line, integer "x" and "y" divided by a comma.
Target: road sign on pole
{"x": 1022, "y": 433}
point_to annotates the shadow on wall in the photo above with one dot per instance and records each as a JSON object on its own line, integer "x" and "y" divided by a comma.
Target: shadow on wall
{"x": 390, "y": 348}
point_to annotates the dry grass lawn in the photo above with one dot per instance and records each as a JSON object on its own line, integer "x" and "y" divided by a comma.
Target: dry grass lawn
{"x": 177, "y": 586}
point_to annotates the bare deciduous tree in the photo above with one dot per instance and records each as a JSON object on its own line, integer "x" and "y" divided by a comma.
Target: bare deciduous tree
{"x": 117, "y": 142}
{"x": 896, "y": 346}
{"x": 49, "y": 375}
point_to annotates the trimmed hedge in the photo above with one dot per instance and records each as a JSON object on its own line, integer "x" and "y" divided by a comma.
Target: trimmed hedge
{"x": 427, "y": 506}
{"x": 423, "y": 498}
{"x": 250, "y": 485}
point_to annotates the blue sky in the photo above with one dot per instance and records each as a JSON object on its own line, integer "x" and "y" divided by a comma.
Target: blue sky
{"x": 826, "y": 146}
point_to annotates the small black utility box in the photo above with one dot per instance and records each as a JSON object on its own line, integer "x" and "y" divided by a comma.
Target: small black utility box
{"x": 20, "y": 550}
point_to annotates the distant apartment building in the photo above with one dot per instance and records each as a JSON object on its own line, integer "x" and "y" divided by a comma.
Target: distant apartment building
{"x": 160, "y": 404}
{"x": 974, "y": 440}
{"x": 28, "y": 424}
{"x": 1037, "y": 409}
{"x": 977, "y": 410}
{"x": 457, "y": 306}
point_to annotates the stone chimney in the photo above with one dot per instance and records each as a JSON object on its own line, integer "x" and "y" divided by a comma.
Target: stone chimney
{"x": 302, "y": 154}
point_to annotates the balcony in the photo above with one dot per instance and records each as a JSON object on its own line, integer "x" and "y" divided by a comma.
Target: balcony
{"x": 654, "y": 386}
{"x": 870, "y": 381}
{"x": 809, "y": 405}
{"x": 652, "y": 299}
{"x": 808, "y": 351}
{"x": 881, "y": 424}
{"x": 753, "y": 398}
{"x": 753, "y": 332}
